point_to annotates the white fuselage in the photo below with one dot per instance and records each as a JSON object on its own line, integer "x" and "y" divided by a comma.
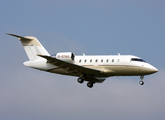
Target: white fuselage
{"x": 112, "y": 65}
{"x": 94, "y": 69}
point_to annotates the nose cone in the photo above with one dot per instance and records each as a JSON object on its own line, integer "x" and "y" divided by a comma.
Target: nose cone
{"x": 154, "y": 70}
{"x": 151, "y": 69}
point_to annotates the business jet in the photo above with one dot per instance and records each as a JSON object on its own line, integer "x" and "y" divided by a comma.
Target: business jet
{"x": 90, "y": 68}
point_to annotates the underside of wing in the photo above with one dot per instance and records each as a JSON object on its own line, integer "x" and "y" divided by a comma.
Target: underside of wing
{"x": 77, "y": 70}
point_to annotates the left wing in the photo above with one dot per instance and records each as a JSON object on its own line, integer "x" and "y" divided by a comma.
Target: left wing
{"x": 75, "y": 69}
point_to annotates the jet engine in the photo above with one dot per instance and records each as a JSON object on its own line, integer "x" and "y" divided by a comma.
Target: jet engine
{"x": 66, "y": 56}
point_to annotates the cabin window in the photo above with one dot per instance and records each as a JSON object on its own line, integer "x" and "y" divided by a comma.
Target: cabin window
{"x": 118, "y": 60}
{"x": 85, "y": 60}
{"x": 107, "y": 60}
{"x": 96, "y": 60}
{"x": 79, "y": 61}
{"x": 102, "y": 60}
{"x": 112, "y": 60}
{"x": 91, "y": 60}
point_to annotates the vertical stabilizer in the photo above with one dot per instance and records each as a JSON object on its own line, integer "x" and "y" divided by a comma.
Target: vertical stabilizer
{"x": 32, "y": 47}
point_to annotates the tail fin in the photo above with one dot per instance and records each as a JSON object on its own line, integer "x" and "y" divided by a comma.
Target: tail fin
{"x": 32, "y": 46}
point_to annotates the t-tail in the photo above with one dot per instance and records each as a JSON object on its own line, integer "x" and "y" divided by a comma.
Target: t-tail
{"x": 32, "y": 47}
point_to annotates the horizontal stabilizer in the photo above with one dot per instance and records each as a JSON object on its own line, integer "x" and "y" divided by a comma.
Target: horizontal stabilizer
{"x": 20, "y": 37}
{"x": 32, "y": 46}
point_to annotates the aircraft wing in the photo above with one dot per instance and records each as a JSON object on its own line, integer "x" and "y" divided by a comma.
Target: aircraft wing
{"x": 75, "y": 69}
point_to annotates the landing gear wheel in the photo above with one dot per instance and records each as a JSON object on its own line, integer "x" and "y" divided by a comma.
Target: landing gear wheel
{"x": 141, "y": 83}
{"x": 80, "y": 80}
{"x": 90, "y": 84}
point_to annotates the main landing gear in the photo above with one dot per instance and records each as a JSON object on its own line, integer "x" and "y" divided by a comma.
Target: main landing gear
{"x": 81, "y": 80}
{"x": 141, "y": 81}
{"x": 90, "y": 84}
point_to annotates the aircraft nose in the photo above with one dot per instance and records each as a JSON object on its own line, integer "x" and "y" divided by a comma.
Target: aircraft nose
{"x": 152, "y": 69}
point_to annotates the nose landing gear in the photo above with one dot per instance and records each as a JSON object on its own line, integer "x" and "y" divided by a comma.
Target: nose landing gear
{"x": 141, "y": 81}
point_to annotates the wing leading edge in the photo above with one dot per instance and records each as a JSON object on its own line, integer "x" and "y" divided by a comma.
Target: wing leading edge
{"x": 77, "y": 70}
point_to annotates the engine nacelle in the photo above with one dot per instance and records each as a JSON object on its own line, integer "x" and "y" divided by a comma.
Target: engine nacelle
{"x": 66, "y": 56}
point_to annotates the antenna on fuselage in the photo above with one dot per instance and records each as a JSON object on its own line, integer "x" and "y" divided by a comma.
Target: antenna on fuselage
{"x": 119, "y": 54}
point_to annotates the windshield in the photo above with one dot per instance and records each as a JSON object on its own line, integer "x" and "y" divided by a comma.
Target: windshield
{"x": 137, "y": 59}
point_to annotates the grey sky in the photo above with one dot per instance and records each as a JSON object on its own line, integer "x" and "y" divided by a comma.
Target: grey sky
{"x": 90, "y": 27}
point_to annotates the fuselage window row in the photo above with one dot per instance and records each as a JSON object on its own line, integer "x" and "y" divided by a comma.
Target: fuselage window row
{"x": 97, "y": 60}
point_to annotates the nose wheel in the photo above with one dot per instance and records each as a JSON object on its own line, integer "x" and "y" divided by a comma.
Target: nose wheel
{"x": 141, "y": 81}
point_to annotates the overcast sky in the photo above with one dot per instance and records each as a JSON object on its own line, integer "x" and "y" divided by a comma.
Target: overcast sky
{"x": 101, "y": 27}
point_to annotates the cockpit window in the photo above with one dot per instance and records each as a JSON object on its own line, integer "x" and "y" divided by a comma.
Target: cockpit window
{"x": 137, "y": 59}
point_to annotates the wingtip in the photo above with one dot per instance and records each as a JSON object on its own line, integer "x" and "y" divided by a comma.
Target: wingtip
{"x": 39, "y": 55}
{"x": 8, "y": 33}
